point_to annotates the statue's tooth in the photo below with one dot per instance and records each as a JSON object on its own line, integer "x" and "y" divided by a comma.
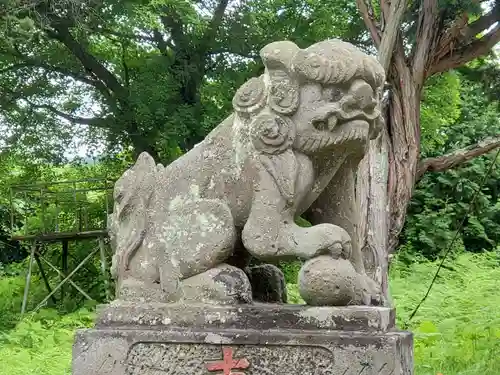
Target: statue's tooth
{"x": 332, "y": 122}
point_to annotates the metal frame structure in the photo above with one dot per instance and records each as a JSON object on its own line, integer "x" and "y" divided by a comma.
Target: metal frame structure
{"x": 37, "y": 199}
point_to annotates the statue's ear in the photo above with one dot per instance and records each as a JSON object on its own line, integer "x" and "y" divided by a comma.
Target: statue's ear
{"x": 272, "y": 136}
{"x": 282, "y": 85}
{"x": 283, "y": 169}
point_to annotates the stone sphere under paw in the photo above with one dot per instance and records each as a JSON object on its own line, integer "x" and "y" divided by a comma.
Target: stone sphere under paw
{"x": 325, "y": 281}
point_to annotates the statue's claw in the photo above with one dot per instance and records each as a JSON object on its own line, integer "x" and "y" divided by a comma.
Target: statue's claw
{"x": 372, "y": 294}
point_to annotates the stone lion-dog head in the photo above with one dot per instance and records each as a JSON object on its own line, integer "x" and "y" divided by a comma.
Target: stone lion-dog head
{"x": 312, "y": 99}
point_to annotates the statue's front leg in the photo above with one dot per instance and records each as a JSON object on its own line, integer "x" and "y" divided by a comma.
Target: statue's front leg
{"x": 270, "y": 232}
{"x": 337, "y": 205}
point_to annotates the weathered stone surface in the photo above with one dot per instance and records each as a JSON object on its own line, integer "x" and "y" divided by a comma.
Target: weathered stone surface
{"x": 152, "y": 345}
{"x": 258, "y": 316}
{"x": 324, "y": 281}
{"x": 303, "y": 125}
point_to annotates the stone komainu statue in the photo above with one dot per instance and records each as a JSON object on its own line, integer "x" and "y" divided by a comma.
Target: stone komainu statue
{"x": 300, "y": 128}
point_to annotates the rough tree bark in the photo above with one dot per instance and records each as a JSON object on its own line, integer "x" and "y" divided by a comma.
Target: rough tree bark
{"x": 388, "y": 173}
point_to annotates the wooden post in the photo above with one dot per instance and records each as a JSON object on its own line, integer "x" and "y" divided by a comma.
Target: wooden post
{"x": 28, "y": 278}
{"x": 64, "y": 259}
{"x": 57, "y": 212}
{"x": 42, "y": 207}
{"x": 69, "y": 280}
{"x": 25, "y": 214}
{"x": 85, "y": 218}
{"x": 12, "y": 210}
{"x": 66, "y": 279}
{"x": 44, "y": 277}
{"x": 76, "y": 229}
{"x": 104, "y": 268}
{"x": 106, "y": 196}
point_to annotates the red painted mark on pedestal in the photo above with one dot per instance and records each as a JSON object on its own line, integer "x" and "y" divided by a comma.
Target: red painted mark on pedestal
{"x": 228, "y": 364}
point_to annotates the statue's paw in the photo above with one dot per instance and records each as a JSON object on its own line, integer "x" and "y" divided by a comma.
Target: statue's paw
{"x": 134, "y": 290}
{"x": 221, "y": 285}
{"x": 340, "y": 247}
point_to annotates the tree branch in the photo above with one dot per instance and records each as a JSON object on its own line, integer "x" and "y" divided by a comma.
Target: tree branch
{"x": 95, "y": 122}
{"x": 64, "y": 71}
{"x": 482, "y": 23}
{"x": 34, "y": 63}
{"x": 161, "y": 43}
{"x": 173, "y": 25}
{"x": 126, "y": 73}
{"x": 460, "y": 33}
{"x": 369, "y": 19}
{"x": 456, "y": 58}
{"x": 393, "y": 24}
{"x": 89, "y": 62}
{"x": 78, "y": 76}
{"x": 14, "y": 67}
{"x": 213, "y": 26}
{"x": 427, "y": 30}
{"x": 124, "y": 36}
{"x": 454, "y": 158}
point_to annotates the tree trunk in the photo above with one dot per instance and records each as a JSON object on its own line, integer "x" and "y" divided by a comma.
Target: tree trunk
{"x": 371, "y": 194}
{"x": 386, "y": 175}
{"x": 404, "y": 137}
{"x": 139, "y": 141}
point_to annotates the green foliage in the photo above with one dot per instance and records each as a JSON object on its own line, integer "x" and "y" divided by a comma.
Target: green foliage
{"x": 457, "y": 329}
{"x": 442, "y": 200}
{"x": 437, "y": 113}
{"x": 41, "y": 344}
{"x": 11, "y": 294}
{"x": 155, "y": 75}
{"x": 293, "y": 294}
{"x": 291, "y": 270}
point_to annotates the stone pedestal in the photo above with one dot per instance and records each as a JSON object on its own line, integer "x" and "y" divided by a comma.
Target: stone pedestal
{"x": 157, "y": 339}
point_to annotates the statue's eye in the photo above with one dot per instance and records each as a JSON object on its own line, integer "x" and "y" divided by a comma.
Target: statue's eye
{"x": 332, "y": 94}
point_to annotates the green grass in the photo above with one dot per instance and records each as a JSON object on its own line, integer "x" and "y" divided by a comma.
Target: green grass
{"x": 41, "y": 344}
{"x": 457, "y": 330}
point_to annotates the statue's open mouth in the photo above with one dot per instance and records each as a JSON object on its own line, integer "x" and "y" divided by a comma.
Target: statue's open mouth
{"x": 336, "y": 127}
{"x": 355, "y": 129}
{"x": 322, "y": 138}
{"x": 358, "y": 128}
{"x": 337, "y": 118}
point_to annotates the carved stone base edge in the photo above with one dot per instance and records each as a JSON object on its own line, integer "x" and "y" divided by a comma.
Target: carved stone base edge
{"x": 246, "y": 352}
{"x": 257, "y": 316}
